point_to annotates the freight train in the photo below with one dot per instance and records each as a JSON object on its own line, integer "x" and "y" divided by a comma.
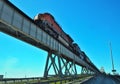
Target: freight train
{"x": 48, "y": 23}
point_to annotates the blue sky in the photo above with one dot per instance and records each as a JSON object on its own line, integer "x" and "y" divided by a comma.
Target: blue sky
{"x": 91, "y": 23}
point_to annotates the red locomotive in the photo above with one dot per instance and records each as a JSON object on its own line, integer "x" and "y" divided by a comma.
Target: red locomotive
{"x": 48, "y": 23}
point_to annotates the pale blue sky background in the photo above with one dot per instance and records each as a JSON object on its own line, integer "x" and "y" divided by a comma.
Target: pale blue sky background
{"x": 91, "y": 23}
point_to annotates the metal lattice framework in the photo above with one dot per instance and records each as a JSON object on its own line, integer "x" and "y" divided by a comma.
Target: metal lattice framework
{"x": 61, "y": 66}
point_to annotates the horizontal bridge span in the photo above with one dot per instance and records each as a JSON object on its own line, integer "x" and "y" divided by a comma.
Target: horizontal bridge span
{"x": 15, "y": 23}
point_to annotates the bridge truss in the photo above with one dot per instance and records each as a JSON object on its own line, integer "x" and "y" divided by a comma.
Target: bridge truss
{"x": 15, "y": 23}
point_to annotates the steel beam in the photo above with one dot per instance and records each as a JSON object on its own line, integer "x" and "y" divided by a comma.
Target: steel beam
{"x": 60, "y": 66}
{"x": 85, "y": 70}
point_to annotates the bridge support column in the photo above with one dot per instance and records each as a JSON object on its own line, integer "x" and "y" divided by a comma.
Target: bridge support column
{"x": 91, "y": 72}
{"x": 57, "y": 68}
{"x": 70, "y": 69}
{"x": 62, "y": 67}
{"x": 84, "y": 70}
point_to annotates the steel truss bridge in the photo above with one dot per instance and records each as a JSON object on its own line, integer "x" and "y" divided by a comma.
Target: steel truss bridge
{"x": 17, "y": 24}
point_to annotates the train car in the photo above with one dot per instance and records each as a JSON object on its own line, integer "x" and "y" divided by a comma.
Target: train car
{"x": 49, "y": 24}
{"x": 76, "y": 49}
{"x": 48, "y": 19}
{"x": 44, "y": 24}
{"x": 70, "y": 39}
{"x": 86, "y": 59}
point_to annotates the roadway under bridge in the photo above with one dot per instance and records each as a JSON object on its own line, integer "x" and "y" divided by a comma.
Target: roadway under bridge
{"x": 103, "y": 79}
{"x": 17, "y": 24}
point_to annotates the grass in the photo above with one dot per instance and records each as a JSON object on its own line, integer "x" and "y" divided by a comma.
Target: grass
{"x": 52, "y": 80}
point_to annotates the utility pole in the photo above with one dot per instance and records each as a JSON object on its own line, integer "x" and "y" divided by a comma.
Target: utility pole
{"x": 113, "y": 70}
